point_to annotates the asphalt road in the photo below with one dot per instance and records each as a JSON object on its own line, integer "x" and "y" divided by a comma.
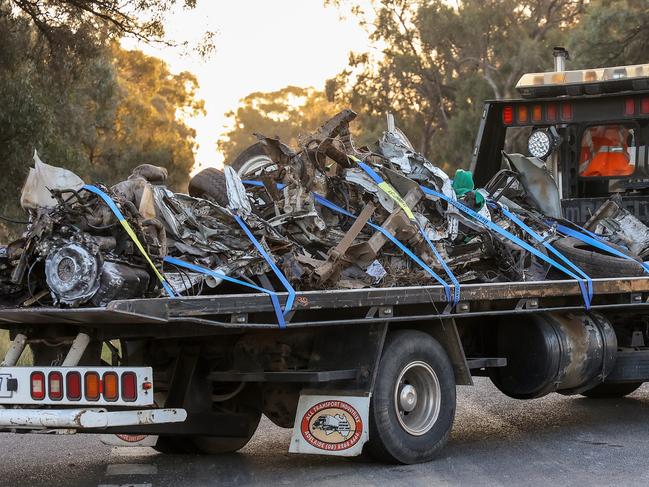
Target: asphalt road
{"x": 555, "y": 441}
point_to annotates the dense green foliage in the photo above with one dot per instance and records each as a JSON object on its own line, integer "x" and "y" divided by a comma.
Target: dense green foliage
{"x": 69, "y": 91}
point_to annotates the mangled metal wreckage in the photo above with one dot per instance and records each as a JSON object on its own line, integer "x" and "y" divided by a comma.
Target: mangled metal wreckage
{"x": 326, "y": 216}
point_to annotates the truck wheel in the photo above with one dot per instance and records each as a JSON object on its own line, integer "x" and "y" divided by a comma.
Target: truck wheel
{"x": 207, "y": 445}
{"x": 603, "y": 391}
{"x": 413, "y": 403}
{"x": 245, "y": 406}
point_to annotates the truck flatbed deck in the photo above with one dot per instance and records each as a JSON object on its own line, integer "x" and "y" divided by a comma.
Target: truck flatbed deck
{"x": 212, "y": 314}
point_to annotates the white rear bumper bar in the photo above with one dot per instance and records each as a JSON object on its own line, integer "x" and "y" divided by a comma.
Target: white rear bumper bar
{"x": 86, "y": 418}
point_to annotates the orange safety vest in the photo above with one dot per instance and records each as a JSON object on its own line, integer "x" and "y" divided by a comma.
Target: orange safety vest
{"x": 604, "y": 152}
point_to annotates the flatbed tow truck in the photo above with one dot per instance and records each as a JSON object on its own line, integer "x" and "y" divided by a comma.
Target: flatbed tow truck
{"x": 367, "y": 369}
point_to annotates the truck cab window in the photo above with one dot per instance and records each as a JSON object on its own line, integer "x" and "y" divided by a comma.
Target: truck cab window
{"x": 607, "y": 151}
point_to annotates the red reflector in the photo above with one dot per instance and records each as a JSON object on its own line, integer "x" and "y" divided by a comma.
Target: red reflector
{"x": 73, "y": 386}
{"x": 55, "y": 385}
{"x": 522, "y": 114}
{"x": 644, "y": 106}
{"x": 508, "y": 115}
{"x": 110, "y": 388}
{"x": 551, "y": 112}
{"x": 537, "y": 113}
{"x": 629, "y": 106}
{"x": 93, "y": 386}
{"x": 37, "y": 381}
{"x": 129, "y": 387}
{"x": 566, "y": 111}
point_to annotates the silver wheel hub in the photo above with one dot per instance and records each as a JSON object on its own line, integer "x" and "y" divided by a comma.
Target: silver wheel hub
{"x": 417, "y": 398}
{"x": 408, "y": 398}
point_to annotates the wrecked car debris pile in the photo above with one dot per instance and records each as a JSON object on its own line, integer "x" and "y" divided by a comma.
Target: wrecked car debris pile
{"x": 326, "y": 215}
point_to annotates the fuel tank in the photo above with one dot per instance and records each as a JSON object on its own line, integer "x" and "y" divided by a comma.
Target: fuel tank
{"x": 567, "y": 353}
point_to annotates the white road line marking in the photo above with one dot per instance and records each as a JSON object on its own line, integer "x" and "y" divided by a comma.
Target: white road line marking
{"x": 132, "y": 451}
{"x": 131, "y": 469}
{"x": 125, "y": 485}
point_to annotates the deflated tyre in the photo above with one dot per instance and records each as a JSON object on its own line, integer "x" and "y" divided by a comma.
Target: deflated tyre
{"x": 595, "y": 263}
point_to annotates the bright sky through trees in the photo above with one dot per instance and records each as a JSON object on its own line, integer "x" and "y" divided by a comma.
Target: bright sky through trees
{"x": 260, "y": 46}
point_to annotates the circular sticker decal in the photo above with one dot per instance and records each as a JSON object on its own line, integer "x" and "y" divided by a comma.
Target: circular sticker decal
{"x": 332, "y": 425}
{"x": 131, "y": 438}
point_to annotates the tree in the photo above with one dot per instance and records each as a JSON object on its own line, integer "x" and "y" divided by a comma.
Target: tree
{"x": 66, "y": 21}
{"x": 98, "y": 112}
{"x": 286, "y": 113}
{"x": 439, "y": 62}
{"x": 611, "y": 33}
{"x": 146, "y": 122}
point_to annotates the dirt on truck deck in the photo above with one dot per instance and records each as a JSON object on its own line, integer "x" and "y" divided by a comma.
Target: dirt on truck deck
{"x": 325, "y": 215}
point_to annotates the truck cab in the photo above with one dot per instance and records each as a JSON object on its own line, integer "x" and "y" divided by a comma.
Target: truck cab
{"x": 590, "y": 127}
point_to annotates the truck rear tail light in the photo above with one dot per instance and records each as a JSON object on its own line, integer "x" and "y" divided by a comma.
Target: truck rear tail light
{"x": 522, "y": 114}
{"x": 566, "y": 111}
{"x": 129, "y": 387}
{"x": 644, "y": 106}
{"x": 629, "y": 107}
{"x": 111, "y": 388}
{"x": 93, "y": 386}
{"x": 37, "y": 385}
{"x": 73, "y": 386}
{"x": 551, "y": 112}
{"x": 537, "y": 113}
{"x": 55, "y": 385}
{"x": 508, "y": 115}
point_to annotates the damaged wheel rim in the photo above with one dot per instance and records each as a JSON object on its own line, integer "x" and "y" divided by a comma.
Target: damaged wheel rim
{"x": 417, "y": 398}
{"x": 254, "y": 166}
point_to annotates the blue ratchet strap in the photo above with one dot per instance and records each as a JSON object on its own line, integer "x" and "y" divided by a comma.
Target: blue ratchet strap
{"x": 278, "y": 273}
{"x": 504, "y": 233}
{"x": 396, "y": 197}
{"x": 218, "y": 275}
{"x": 252, "y": 182}
{"x": 449, "y": 273}
{"x": 334, "y": 207}
{"x": 131, "y": 233}
{"x": 514, "y": 218}
{"x": 598, "y": 243}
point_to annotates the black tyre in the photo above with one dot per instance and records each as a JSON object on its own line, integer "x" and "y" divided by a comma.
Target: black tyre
{"x": 603, "y": 391}
{"x": 210, "y": 184}
{"x": 597, "y": 264}
{"x": 208, "y": 445}
{"x": 245, "y": 408}
{"x": 413, "y": 403}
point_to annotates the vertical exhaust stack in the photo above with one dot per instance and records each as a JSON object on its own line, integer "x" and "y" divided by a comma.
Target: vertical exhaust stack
{"x": 561, "y": 55}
